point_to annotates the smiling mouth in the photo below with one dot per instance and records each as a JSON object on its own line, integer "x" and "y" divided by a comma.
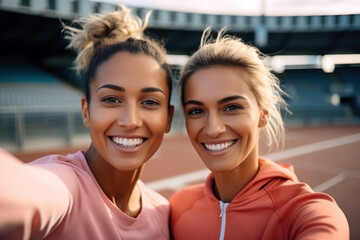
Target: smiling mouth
{"x": 219, "y": 146}
{"x": 128, "y": 142}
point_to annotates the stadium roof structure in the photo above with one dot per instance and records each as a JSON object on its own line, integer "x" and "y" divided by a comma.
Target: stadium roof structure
{"x": 250, "y": 8}
{"x": 32, "y": 29}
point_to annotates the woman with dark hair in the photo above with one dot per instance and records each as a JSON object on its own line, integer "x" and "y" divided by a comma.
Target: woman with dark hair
{"x": 97, "y": 194}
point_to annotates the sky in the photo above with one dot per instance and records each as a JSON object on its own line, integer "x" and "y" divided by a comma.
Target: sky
{"x": 250, "y": 7}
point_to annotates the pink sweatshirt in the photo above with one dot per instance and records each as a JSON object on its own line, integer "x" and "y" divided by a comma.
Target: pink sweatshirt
{"x": 57, "y": 197}
{"x": 274, "y": 205}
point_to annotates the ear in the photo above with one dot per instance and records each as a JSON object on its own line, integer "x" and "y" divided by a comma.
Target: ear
{"x": 85, "y": 112}
{"x": 264, "y": 118}
{"x": 170, "y": 117}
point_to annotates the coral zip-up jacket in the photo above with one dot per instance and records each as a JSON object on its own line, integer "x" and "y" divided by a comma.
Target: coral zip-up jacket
{"x": 273, "y": 206}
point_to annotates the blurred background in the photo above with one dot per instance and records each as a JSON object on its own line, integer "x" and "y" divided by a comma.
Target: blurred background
{"x": 313, "y": 46}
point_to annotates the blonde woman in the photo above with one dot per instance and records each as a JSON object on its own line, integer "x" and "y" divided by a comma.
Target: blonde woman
{"x": 97, "y": 194}
{"x": 230, "y": 100}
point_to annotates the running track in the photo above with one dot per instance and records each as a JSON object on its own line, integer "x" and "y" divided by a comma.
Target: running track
{"x": 327, "y": 158}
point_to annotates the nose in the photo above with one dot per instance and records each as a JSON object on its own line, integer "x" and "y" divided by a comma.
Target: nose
{"x": 214, "y": 125}
{"x": 130, "y": 117}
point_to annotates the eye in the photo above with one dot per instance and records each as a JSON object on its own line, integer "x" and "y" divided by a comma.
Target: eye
{"x": 231, "y": 108}
{"x": 150, "y": 103}
{"x": 195, "y": 111}
{"x": 110, "y": 100}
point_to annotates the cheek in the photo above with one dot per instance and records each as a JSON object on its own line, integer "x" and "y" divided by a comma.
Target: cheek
{"x": 192, "y": 128}
{"x": 101, "y": 118}
{"x": 156, "y": 121}
{"x": 249, "y": 131}
{"x": 246, "y": 125}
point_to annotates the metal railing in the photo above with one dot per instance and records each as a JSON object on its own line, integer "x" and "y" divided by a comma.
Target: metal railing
{"x": 40, "y": 127}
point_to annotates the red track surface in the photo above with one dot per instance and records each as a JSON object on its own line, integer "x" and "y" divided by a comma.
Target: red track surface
{"x": 327, "y": 158}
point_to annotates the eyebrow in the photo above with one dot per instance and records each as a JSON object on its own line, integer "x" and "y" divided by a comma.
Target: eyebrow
{"x": 121, "y": 89}
{"x": 221, "y": 101}
{"x": 230, "y": 98}
{"x": 193, "y": 102}
{"x": 152, "y": 89}
{"x": 111, "y": 86}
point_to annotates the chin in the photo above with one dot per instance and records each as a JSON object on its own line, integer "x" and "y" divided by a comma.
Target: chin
{"x": 216, "y": 167}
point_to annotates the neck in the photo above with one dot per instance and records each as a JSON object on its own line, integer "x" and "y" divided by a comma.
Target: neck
{"x": 119, "y": 186}
{"x": 229, "y": 184}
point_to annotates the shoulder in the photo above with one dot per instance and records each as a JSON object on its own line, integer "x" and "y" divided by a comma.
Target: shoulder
{"x": 284, "y": 192}
{"x": 189, "y": 192}
{"x": 318, "y": 216}
{"x": 152, "y": 197}
{"x": 67, "y": 168}
{"x": 185, "y": 198}
{"x": 308, "y": 213}
{"x": 72, "y": 159}
{"x": 60, "y": 163}
{"x": 155, "y": 208}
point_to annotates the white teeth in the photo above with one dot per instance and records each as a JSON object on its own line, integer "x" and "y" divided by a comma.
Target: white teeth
{"x": 219, "y": 146}
{"x": 127, "y": 142}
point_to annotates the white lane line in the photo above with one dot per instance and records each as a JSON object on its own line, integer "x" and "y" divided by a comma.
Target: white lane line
{"x": 176, "y": 182}
{"x": 329, "y": 183}
{"x": 313, "y": 147}
{"x": 320, "y": 167}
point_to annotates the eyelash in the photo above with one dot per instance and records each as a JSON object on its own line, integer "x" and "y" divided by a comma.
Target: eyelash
{"x": 195, "y": 111}
{"x": 110, "y": 100}
{"x": 232, "y": 108}
{"x": 150, "y": 102}
{"x": 229, "y": 108}
{"x": 115, "y": 100}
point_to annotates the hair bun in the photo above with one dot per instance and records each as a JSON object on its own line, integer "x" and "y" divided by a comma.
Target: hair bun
{"x": 99, "y": 30}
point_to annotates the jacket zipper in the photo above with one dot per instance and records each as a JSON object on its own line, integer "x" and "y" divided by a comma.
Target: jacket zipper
{"x": 223, "y": 207}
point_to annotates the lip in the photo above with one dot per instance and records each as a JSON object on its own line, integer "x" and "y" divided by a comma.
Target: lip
{"x": 127, "y": 144}
{"x": 216, "y": 148}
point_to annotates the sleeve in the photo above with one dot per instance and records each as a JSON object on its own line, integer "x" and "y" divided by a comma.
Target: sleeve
{"x": 33, "y": 200}
{"x": 320, "y": 218}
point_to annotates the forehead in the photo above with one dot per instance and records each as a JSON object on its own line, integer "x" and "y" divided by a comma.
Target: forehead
{"x": 217, "y": 82}
{"x": 131, "y": 70}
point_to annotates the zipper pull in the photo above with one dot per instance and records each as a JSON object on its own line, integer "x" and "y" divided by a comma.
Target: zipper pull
{"x": 222, "y": 208}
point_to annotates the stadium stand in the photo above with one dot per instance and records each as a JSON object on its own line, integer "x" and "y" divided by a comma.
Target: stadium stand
{"x": 36, "y": 105}
{"x": 43, "y": 101}
{"x": 349, "y": 78}
{"x": 310, "y": 97}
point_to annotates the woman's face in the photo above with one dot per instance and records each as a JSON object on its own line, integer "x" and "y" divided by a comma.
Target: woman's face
{"x": 222, "y": 117}
{"x": 128, "y": 112}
